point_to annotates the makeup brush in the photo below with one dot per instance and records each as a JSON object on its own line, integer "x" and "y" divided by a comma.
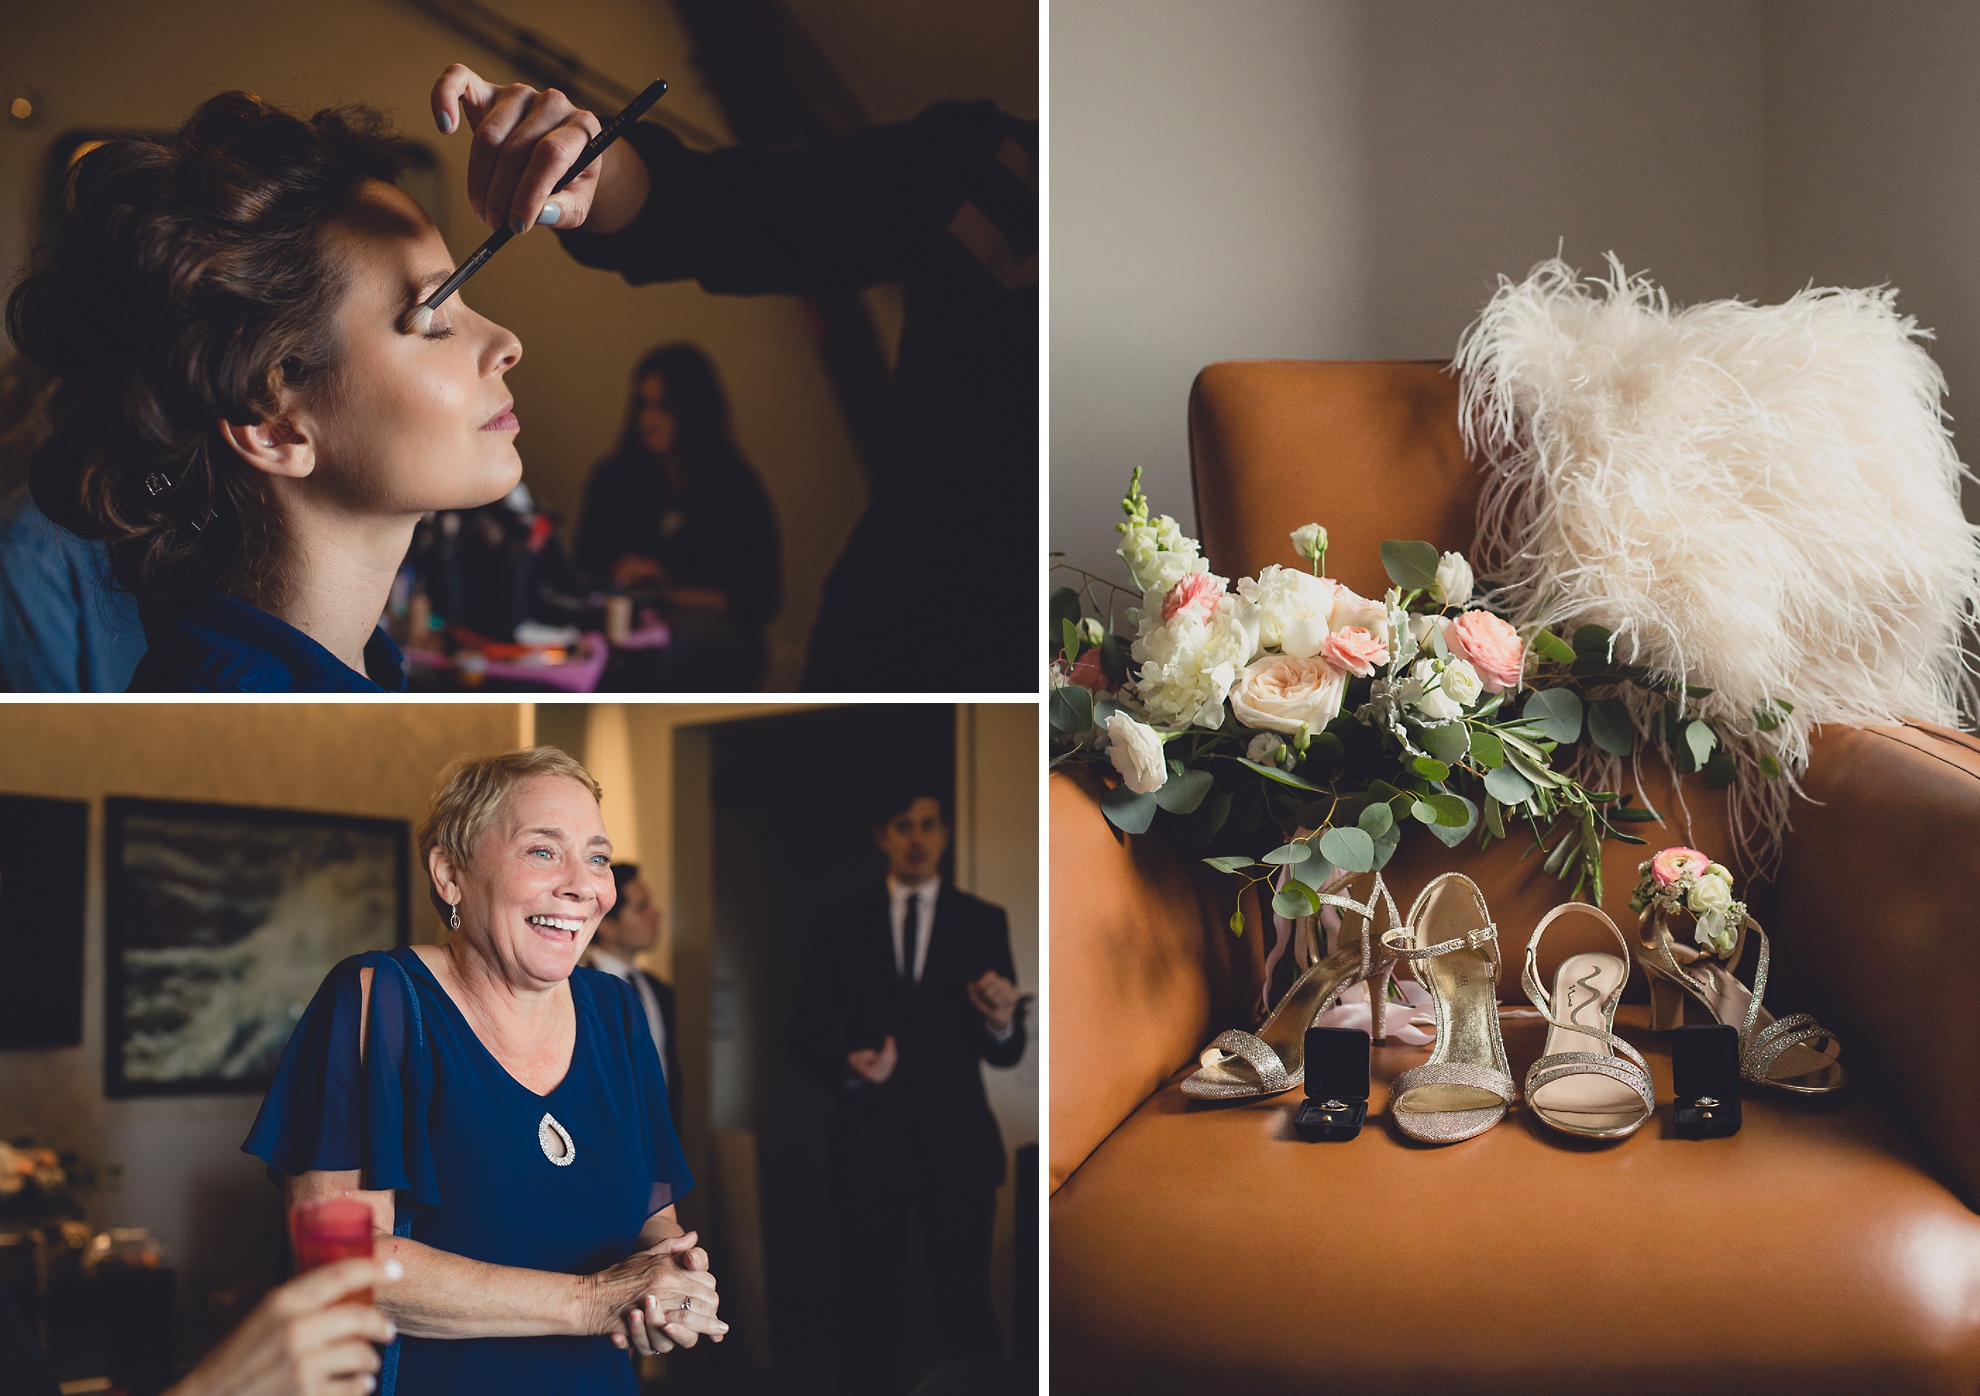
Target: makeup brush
{"x": 420, "y": 318}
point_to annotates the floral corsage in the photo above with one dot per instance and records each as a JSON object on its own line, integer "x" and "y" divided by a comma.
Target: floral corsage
{"x": 1683, "y": 879}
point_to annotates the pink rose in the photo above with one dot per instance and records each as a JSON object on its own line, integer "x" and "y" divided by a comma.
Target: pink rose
{"x": 1492, "y": 646}
{"x": 1354, "y": 650}
{"x": 1282, "y": 693}
{"x": 1673, "y": 863}
{"x": 1195, "y": 596}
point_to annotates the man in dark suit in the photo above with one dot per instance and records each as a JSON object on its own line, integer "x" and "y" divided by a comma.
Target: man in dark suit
{"x": 631, "y": 927}
{"x": 907, "y": 989}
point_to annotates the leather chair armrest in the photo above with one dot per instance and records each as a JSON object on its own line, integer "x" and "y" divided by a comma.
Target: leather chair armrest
{"x": 1144, "y": 968}
{"x": 1874, "y": 926}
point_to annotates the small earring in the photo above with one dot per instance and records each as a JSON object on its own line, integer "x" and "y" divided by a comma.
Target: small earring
{"x": 454, "y": 919}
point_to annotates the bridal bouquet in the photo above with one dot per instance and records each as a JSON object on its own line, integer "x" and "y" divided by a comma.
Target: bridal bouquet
{"x": 1290, "y": 711}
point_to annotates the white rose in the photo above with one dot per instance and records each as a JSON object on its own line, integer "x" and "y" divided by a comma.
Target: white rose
{"x": 1292, "y": 608}
{"x": 1265, "y": 748}
{"x": 1709, "y": 894}
{"x": 1715, "y": 932}
{"x": 1137, "y": 754}
{"x": 1283, "y": 693}
{"x": 1350, "y": 609}
{"x": 1432, "y": 704}
{"x": 1423, "y": 627}
{"x": 1461, "y": 682}
{"x": 1454, "y": 581}
{"x": 1189, "y": 665}
{"x": 1309, "y": 541}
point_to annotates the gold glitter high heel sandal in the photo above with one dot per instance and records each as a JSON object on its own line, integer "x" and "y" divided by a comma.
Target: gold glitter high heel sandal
{"x": 1240, "y": 1064}
{"x": 1452, "y": 948}
{"x": 1794, "y": 1054}
{"x": 1587, "y": 1082}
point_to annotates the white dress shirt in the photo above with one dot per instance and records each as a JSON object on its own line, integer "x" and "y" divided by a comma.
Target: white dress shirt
{"x": 899, "y": 895}
{"x": 626, "y": 970}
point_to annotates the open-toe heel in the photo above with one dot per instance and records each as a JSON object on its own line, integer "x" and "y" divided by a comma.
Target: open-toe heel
{"x": 1794, "y": 1054}
{"x": 1238, "y": 1064}
{"x": 1452, "y": 948}
{"x": 1587, "y": 1081}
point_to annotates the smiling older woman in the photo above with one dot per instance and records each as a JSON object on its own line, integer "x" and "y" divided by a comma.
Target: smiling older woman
{"x": 240, "y": 415}
{"x": 502, "y": 1110}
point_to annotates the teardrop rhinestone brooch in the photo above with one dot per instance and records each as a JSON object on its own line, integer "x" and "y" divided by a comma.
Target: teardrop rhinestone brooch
{"x": 557, "y": 1144}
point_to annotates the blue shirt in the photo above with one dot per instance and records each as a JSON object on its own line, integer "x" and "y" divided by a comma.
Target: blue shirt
{"x": 215, "y": 644}
{"x": 64, "y": 626}
{"x": 430, "y": 1114}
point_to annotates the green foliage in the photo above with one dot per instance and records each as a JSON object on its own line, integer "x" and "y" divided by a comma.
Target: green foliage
{"x": 1127, "y": 811}
{"x": 1237, "y": 923}
{"x": 1508, "y": 786}
{"x": 1456, "y": 818}
{"x": 1231, "y": 863}
{"x": 1295, "y": 852}
{"x": 1071, "y": 710}
{"x": 1548, "y": 645}
{"x": 1486, "y": 748}
{"x": 1348, "y": 849}
{"x": 1556, "y": 712}
{"x": 1184, "y": 791}
{"x": 1609, "y": 726}
{"x": 1430, "y": 768}
{"x": 1701, "y": 740}
{"x": 1062, "y": 610}
{"x": 1448, "y": 742}
{"x": 1411, "y": 566}
{"x": 1283, "y": 777}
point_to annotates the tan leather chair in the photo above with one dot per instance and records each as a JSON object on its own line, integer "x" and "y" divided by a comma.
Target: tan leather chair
{"x": 1829, "y": 1247}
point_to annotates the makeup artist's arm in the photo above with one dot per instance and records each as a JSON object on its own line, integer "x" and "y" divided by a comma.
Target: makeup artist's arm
{"x": 444, "y": 1295}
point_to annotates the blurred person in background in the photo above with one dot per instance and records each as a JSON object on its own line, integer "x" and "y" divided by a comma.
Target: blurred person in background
{"x": 64, "y": 626}
{"x": 629, "y": 930}
{"x": 908, "y": 988}
{"x": 677, "y": 515}
{"x": 947, "y": 206}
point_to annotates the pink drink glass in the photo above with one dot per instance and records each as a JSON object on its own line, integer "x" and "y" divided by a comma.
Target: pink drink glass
{"x": 335, "y": 1228}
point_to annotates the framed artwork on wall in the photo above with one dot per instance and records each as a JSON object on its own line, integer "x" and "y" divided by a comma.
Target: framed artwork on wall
{"x": 44, "y": 870}
{"x": 221, "y": 922}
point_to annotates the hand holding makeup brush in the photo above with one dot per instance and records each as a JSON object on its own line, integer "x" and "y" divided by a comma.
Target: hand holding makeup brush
{"x": 524, "y": 140}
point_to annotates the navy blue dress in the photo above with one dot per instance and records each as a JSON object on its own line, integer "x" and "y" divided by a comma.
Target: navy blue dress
{"x": 64, "y": 625}
{"x": 432, "y": 1115}
{"x": 213, "y": 643}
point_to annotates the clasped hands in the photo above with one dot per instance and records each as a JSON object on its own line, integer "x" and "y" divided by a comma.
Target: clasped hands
{"x": 639, "y": 1300}
{"x": 992, "y": 995}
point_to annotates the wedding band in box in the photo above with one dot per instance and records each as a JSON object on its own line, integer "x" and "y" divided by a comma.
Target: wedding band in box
{"x": 1705, "y": 1079}
{"x": 1336, "y": 1104}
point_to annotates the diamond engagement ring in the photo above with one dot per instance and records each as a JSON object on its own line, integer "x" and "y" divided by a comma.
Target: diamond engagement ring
{"x": 686, "y": 1304}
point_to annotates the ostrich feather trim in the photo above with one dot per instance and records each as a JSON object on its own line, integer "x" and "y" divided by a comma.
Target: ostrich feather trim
{"x": 1761, "y": 500}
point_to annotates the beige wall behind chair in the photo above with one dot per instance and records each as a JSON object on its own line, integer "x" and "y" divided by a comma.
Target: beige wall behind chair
{"x": 184, "y": 1175}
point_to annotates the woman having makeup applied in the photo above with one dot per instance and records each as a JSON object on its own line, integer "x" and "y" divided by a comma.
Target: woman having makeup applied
{"x": 240, "y": 416}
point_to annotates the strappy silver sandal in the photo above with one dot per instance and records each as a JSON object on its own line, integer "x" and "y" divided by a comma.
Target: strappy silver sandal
{"x": 1588, "y": 1082}
{"x": 1452, "y": 948}
{"x": 1239, "y": 1064}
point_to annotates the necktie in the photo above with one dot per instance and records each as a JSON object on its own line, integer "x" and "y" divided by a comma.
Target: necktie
{"x": 910, "y": 935}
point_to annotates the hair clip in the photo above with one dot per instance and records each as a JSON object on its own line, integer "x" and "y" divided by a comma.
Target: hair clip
{"x": 199, "y": 524}
{"x": 156, "y": 483}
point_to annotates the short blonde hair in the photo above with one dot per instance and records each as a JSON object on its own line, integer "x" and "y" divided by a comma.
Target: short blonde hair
{"x": 470, "y": 792}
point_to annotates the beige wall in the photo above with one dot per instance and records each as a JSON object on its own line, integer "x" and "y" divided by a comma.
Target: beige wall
{"x": 129, "y": 63}
{"x": 183, "y": 1173}
{"x": 1346, "y": 179}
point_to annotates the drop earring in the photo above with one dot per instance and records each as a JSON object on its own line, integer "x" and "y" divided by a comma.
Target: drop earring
{"x": 453, "y": 918}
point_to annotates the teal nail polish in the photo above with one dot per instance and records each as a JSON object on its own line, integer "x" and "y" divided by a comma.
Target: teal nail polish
{"x": 551, "y": 213}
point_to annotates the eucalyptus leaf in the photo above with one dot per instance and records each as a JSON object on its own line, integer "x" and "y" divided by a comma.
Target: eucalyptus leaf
{"x": 1283, "y": 777}
{"x": 1072, "y": 710}
{"x": 1609, "y": 726}
{"x": 1184, "y": 792}
{"x": 1218, "y": 810}
{"x": 1536, "y": 773}
{"x": 1349, "y": 849}
{"x": 1507, "y": 786}
{"x": 1448, "y": 742}
{"x": 1127, "y": 811}
{"x": 1453, "y": 811}
{"x": 1377, "y": 820}
{"x": 1486, "y": 748}
{"x": 1557, "y": 712}
{"x": 1069, "y": 639}
{"x": 1548, "y": 645}
{"x": 1294, "y": 900}
{"x": 1231, "y": 863}
{"x": 1288, "y": 853}
{"x": 1314, "y": 872}
{"x": 1430, "y": 768}
{"x": 1719, "y": 771}
{"x": 1452, "y": 834}
{"x": 1411, "y": 566}
{"x": 1495, "y": 817}
{"x": 1114, "y": 658}
{"x": 1385, "y": 846}
{"x": 1063, "y": 606}
{"x": 1423, "y": 812}
{"x": 1701, "y": 739}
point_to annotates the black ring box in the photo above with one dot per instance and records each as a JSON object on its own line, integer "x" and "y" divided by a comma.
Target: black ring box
{"x": 1705, "y": 1076}
{"x": 1336, "y": 1104}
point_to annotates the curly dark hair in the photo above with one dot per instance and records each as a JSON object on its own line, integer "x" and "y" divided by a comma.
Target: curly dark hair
{"x": 190, "y": 283}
